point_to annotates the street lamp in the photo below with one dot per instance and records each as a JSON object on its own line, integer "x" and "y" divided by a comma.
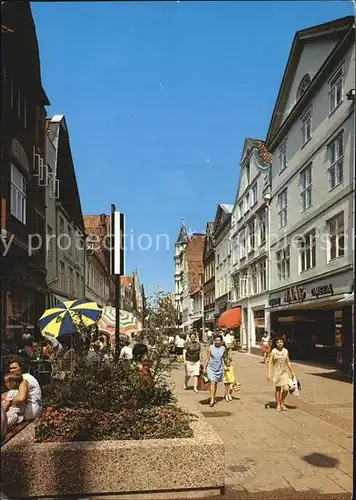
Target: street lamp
{"x": 248, "y": 332}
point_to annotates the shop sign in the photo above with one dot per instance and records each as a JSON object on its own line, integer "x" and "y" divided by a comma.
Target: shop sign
{"x": 297, "y": 293}
{"x": 322, "y": 290}
{"x": 19, "y": 152}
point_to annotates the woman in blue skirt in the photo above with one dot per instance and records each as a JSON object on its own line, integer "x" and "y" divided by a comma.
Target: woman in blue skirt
{"x": 214, "y": 366}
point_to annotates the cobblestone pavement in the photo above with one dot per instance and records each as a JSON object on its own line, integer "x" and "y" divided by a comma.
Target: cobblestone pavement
{"x": 304, "y": 452}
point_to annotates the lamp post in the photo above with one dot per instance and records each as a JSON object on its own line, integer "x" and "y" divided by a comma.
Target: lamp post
{"x": 267, "y": 199}
{"x": 248, "y": 330}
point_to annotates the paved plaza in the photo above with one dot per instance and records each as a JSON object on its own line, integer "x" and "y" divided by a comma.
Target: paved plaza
{"x": 304, "y": 452}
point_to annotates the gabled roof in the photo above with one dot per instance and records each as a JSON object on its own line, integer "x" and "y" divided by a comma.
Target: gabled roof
{"x": 338, "y": 27}
{"x": 264, "y": 157}
{"x": 97, "y": 225}
{"x": 64, "y": 169}
{"x": 223, "y": 212}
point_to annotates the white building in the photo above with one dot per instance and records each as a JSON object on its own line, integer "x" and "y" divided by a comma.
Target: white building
{"x": 312, "y": 139}
{"x": 65, "y": 256}
{"x": 180, "y": 247}
{"x": 249, "y": 237}
{"x": 221, "y": 236}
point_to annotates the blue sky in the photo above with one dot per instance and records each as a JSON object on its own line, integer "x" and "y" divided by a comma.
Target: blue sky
{"x": 159, "y": 97}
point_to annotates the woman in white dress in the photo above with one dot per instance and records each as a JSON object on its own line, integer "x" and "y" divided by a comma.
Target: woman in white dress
{"x": 191, "y": 358}
{"x": 280, "y": 371}
{"x": 30, "y": 392}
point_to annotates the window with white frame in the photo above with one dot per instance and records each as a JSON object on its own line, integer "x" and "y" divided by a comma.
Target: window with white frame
{"x": 254, "y": 194}
{"x": 263, "y": 227}
{"x": 283, "y": 263}
{"x": 282, "y": 208}
{"x": 306, "y": 187}
{"x": 241, "y": 209}
{"x": 242, "y": 245}
{"x": 336, "y": 233}
{"x": 306, "y": 126}
{"x": 247, "y": 202}
{"x": 336, "y": 161}
{"x": 263, "y": 276}
{"x": 254, "y": 280}
{"x": 307, "y": 251}
{"x": 251, "y": 236}
{"x": 283, "y": 156}
{"x": 18, "y": 195}
{"x": 336, "y": 89}
{"x": 247, "y": 169}
{"x": 243, "y": 285}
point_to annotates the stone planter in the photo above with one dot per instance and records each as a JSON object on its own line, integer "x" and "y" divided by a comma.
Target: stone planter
{"x": 127, "y": 469}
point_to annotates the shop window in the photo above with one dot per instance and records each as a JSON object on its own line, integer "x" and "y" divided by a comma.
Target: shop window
{"x": 336, "y": 233}
{"x": 283, "y": 263}
{"x": 18, "y": 195}
{"x": 20, "y": 314}
{"x": 336, "y": 161}
{"x": 307, "y": 251}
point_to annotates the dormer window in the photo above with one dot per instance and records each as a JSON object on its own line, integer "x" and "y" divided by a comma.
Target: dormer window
{"x": 304, "y": 84}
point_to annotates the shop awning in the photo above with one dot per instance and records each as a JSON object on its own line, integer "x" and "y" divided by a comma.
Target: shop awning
{"x": 230, "y": 318}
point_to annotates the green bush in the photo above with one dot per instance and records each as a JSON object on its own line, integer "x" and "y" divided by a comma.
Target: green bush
{"x": 109, "y": 387}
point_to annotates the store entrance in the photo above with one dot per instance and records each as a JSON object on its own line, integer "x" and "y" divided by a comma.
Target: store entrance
{"x": 310, "y": 335}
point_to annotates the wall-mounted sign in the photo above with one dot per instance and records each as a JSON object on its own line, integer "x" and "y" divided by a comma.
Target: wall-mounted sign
{"x": 322, "y": 290}
{"x": 298, "y": 293}
{"x": 295, "y": 294}
{"x": 19, "y": 152}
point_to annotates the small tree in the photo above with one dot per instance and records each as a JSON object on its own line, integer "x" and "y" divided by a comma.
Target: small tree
{"x": 161, "y": 323}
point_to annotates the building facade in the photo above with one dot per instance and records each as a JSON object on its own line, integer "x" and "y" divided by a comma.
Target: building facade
{"x": 222, "y": 247}
{"x": 312, "y": 140}
{"x": 99, "y": 284}
{"x": 65, "y": 252}
{"x": 192, "y": 281}
{"x": 180, "y": 247}
{"x": 249, "y": 237}
{"x": 23, "y": 197}
{"x": 209, "y": 278}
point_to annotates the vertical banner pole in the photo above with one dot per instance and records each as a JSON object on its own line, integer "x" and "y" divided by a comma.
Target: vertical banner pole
{"x": 117, "y": 265}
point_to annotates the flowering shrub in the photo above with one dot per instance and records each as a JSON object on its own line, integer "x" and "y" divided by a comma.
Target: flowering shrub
{"x": 115, "y": 400}
{"x": 67, "y": 424}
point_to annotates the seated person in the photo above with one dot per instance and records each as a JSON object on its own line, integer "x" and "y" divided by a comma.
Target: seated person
{"x": 30, "y": 393}
{"x": 15, "y": 414}
{"x": 140, "y": 349}
{"x": 3, "y": 422}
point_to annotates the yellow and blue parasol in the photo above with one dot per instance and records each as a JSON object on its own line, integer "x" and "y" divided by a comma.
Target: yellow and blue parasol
{"x": 67, "y": 316}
